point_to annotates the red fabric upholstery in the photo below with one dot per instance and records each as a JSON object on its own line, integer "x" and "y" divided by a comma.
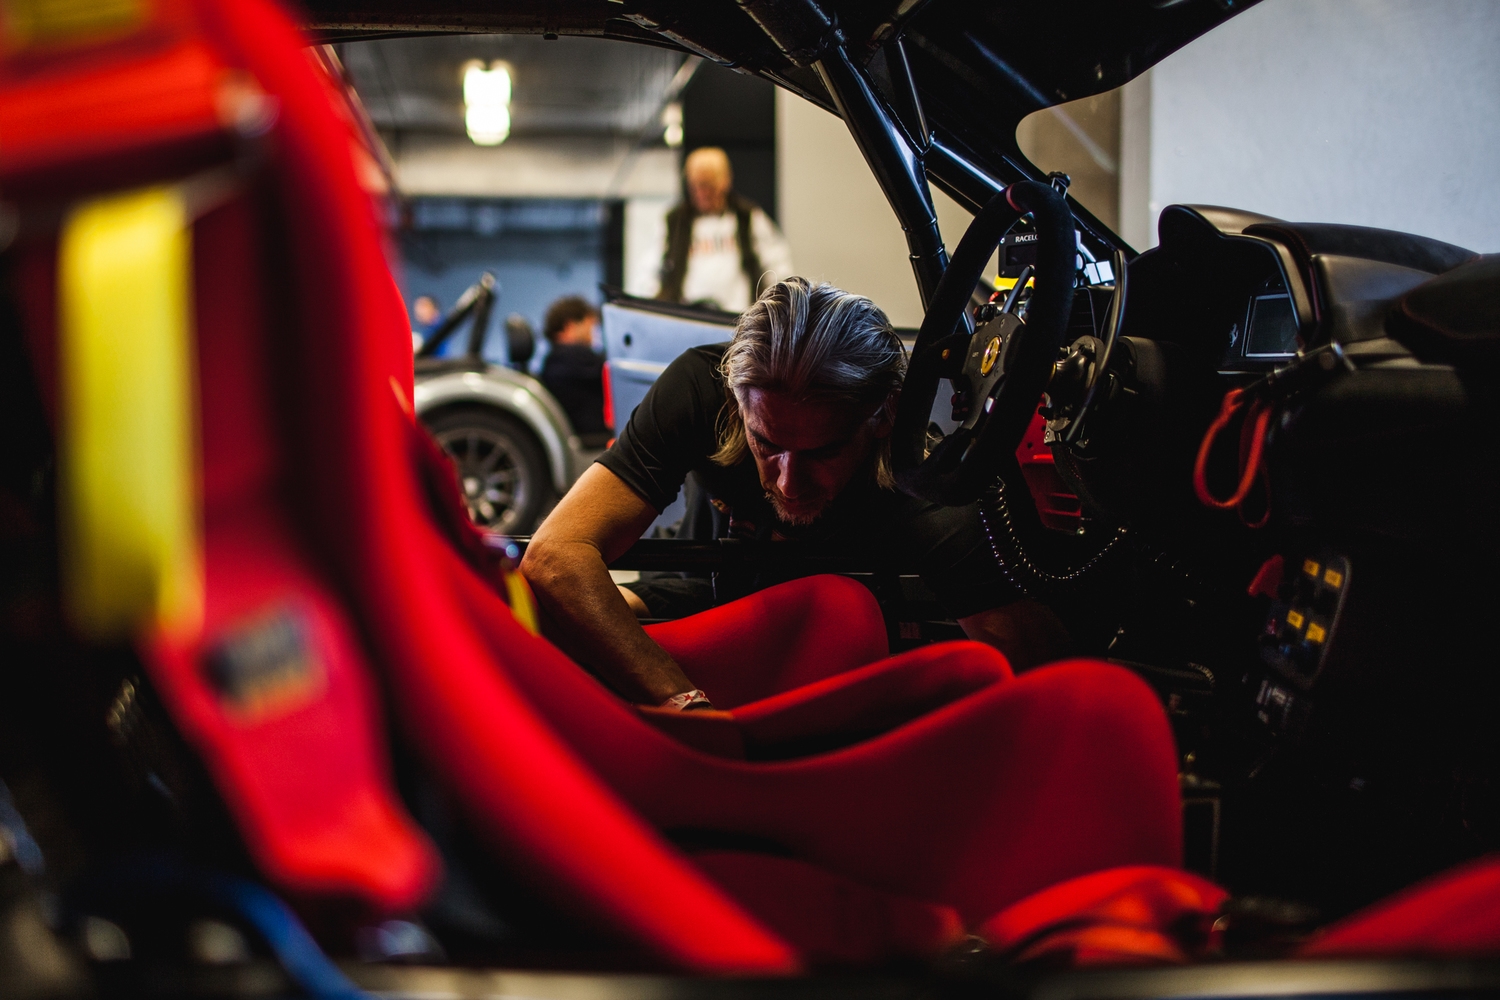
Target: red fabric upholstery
{"x": 1123, "y": 916}
{"x": 332, "y": 829}
{"x": 777, "y": 639}
{"x": 834, "y": 920}
{"x": 1453, "y": 914}
{"x": 145, "y": 100}
{"x": 837, "y": 711}
{"x": 870, "y": 700}
{"x": 369, "y": 517}
{"x": 1001, "y": 788}
{"x": 977, "y": 804}
{"x": 276, "y": 678}
{"x": 306, "y": 778}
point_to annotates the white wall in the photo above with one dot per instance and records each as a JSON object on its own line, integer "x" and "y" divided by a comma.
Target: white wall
{"x": 645, "y": 243}
{"x": 1373, "y": 112}
{"x": 840, "y": 226}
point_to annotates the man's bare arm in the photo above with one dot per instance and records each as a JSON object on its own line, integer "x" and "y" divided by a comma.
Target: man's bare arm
{"x": 1028, "y": 633}
{"x": 567, "y": 567}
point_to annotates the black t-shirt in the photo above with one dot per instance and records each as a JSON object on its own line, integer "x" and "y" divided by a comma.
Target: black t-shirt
{"x": 574, "y": 373}
{"x": 674, "y": 431}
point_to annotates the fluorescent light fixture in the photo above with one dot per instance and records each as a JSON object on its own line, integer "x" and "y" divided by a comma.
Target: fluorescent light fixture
{"x": 671, "y": 119}
{"x": 486, "y": 86}
{"x": 487, "y": 124}
{"x": 487, "y": 102}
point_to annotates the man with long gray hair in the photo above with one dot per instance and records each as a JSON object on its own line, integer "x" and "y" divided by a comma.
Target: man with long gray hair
{"x": 787, "y": 429}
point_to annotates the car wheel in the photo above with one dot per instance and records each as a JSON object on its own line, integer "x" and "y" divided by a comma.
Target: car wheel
{"x": 501, "y": 468}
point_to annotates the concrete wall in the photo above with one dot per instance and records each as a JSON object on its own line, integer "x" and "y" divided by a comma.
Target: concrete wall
{"x": 1372, "y": 112}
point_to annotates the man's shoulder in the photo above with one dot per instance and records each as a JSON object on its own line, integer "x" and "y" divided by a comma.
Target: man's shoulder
{"x": 689, "y": 392}
{"x": 570, "y": 359}
{"x": 707, "y": 353}
{"x": 573, "y": 352}
{"x": 700, "y": 362}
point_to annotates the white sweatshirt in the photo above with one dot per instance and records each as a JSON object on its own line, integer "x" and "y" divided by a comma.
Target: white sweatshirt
{"x": 713, "y": 267}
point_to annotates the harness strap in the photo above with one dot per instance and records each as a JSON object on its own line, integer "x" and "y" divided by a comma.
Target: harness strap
{"x": 1257, "y": 414}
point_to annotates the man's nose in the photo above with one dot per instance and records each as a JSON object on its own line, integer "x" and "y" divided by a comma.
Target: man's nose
{"x": 791, "y": 477}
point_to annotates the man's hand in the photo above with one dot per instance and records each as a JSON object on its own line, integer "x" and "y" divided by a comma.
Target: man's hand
{"x": 1028, "y": 633}
{"x": 584, "y": 612}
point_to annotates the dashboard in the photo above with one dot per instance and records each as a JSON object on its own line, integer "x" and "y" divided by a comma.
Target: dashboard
{"x": 1222, "y": 286}
{"x": 1268, "y": 331}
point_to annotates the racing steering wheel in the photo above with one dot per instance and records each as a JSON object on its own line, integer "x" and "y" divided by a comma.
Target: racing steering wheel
{"x": 1002, "y": 368}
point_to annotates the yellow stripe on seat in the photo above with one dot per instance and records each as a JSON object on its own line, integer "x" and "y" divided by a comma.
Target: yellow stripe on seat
{"x": 522, "y": 603}
{"x": 131, "y": 552}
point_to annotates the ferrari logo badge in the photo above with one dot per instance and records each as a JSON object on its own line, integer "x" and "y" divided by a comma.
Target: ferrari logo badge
{"x": 991, "y": 352}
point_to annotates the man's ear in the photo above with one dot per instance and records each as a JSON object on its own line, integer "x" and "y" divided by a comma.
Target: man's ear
{"x": 884, "y": 420}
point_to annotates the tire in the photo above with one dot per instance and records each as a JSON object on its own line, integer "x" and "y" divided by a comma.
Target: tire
{"x": 501, "y": 467}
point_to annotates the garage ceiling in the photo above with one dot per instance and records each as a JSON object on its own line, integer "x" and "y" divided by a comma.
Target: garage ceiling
{"x": 566, "y": 87}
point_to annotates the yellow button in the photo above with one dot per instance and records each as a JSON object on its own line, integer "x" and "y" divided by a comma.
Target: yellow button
{"x": 1310, "y": 567}
{"x": 1315, "y": 632}
{"x": 1294, "y": 619}
{"x": 1333, "y": 578}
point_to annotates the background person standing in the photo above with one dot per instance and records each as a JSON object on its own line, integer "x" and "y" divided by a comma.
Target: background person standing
{"x": 722, "y": 248}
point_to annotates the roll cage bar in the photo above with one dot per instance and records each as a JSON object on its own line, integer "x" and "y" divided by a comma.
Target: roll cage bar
{"x": 477, "y": 301}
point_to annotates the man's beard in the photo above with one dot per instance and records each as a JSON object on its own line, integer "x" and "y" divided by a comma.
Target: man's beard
{"x": 787, "y": 516}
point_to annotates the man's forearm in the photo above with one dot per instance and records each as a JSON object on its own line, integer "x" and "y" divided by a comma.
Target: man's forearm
{"x": 589, "y": 619}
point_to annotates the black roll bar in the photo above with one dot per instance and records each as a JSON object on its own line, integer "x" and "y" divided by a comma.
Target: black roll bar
{"x": 477, "y": 300}
{"x": 809, "y": 37}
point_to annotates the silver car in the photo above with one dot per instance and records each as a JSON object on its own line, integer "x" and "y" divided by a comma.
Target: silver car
{"x": 509, "y": 439}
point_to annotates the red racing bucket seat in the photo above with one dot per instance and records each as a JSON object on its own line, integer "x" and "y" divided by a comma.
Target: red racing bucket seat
{"x": 212, "y": 319}
{"x": 1455, "y": 914}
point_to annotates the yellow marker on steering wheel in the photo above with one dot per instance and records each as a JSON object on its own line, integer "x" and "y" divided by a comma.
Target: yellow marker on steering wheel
{"x": 991, "y": 353}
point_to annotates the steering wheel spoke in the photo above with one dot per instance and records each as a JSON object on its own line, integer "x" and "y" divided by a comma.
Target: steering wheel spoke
{"x": 1006, "y": 362}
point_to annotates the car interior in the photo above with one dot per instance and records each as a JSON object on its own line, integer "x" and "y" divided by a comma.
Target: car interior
{"x": 261, "y": 734}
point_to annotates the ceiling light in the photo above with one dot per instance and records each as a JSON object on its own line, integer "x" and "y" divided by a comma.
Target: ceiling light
{"x": 671, "y": 119}
{"x": 487, "y": 124}
{"x": 487, "y": 102}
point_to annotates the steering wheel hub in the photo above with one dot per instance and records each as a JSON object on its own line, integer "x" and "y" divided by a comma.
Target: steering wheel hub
{"x": 991, "y": 354}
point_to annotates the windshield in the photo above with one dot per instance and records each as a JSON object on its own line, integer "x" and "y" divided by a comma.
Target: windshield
{"x": 571, "y": 195}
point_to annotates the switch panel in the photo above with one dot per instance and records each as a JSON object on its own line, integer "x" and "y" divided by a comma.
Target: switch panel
{"x": 1304, "y": 616}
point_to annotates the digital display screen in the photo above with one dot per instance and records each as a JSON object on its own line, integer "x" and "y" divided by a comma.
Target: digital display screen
{"x": 1016, "y": 251}
{"x": 1271, "y": 327}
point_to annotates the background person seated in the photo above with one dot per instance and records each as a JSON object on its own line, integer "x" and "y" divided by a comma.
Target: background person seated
{"x": 426, "y": 314}
{"x": 573, "y": 371}
{"x": 787, "y": 428}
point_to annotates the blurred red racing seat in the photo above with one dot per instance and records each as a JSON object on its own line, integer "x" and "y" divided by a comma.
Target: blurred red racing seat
{"x": 1451, "y": 915}
{"x": 244, "y": 491}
